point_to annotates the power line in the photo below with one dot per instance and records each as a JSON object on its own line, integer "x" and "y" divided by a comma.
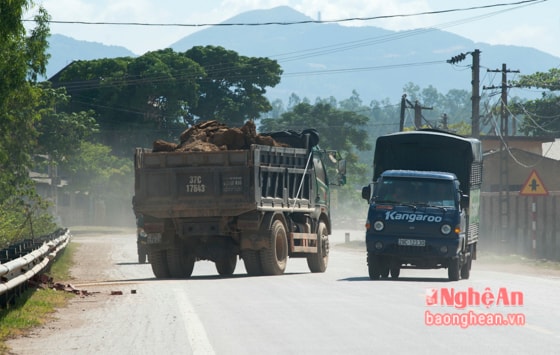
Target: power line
{"x": 285, "y": 23}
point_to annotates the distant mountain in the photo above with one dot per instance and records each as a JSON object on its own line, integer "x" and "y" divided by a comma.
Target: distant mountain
{"x": 64, "y": 50}
{"x": 324, "y": 60}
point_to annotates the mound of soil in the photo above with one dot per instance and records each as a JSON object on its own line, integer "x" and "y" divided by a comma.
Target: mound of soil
{"x": 215, "y": 136}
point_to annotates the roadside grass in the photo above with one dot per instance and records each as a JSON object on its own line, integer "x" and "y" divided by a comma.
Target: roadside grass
{"x": 36, "y": 306}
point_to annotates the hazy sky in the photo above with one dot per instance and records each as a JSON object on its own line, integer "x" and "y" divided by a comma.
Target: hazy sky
{"x": 535, "y": 24}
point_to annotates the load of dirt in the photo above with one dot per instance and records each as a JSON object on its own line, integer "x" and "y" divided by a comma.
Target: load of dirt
{"x": 212, "y": 136}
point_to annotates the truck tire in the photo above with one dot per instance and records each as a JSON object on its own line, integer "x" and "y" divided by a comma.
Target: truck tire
{"x": 180, "y": 263}
{"x": 385, "y": 269}
{"x": 454, "y": 269}
{"x": 374, "y": 266}
{"x": 252, "y": 261}
{"x": 466, "y": 269}
{"x": 275, "y": 258}
{"x": 142, "y": 257}
{"x": 158, "y": 260}
{"x": 318, "y": 262}
{"x": 226, "y": 266}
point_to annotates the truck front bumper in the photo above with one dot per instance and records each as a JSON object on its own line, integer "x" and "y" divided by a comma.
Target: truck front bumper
{"x": 413, "y": 247}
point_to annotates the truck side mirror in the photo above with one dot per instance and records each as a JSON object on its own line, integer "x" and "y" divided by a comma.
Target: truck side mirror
{"x": 341, "y": 172}
{"x": 464, "y": 201}
{"x": 341, "y": 166}
{"x": 366, "y": 193}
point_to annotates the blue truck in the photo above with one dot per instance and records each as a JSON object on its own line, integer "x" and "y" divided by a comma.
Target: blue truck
{"x": 423, "y": 203}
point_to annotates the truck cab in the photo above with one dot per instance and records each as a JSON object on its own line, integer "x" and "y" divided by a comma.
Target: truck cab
{"x": 423, "y": 203}
{"x": 415, "y": 220}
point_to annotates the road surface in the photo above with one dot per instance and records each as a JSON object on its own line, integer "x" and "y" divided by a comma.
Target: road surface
{"x": 337, "y": 312}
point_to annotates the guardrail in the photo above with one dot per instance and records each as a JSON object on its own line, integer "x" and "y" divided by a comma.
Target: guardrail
{"x": 15, "y": 274}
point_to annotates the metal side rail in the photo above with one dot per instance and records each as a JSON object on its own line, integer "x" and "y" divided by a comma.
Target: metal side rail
{"x": 15, "y": 273}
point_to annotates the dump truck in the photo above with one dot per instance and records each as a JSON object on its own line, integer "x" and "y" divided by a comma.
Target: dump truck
{"x": 423, "y": 203}
{"x": 262, "y": 204}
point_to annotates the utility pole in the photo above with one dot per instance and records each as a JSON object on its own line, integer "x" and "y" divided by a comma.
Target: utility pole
{"x": 503, "y": 133}
{"x": 475, "y": 124}
{"x": 403, "y": 109}
{"x": 418, "y": 114}
{"x": 475, "y": 128}
{"x": 444, "y": 120}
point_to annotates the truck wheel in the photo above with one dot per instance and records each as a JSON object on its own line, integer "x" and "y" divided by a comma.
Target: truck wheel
{"x": 180, "y": 263}
{"x": 395, "y": 272}
{"x": 142, "y": 254}
{"x": 374, "y": 266}
{"x": 158, "y": 260}
{"x": 453, "y": 269}
{"x": 385, "y": 268}
{"x": 252, "y": 261}
{"x": 226, "y": 266}
{"x": 275, "y": 258}
{"x": 466, "y": 269}
{"x": 318, "y": 262}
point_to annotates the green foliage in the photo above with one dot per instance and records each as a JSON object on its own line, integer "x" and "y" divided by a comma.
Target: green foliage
{"x": 234, "y": 86}
{"x": 22, "y": 59}
{"x": 542, "y": 116}
{"x": 549, "y": 80}
{"x": 137, "y": 100}
{"x": 157, "y": 95}
{"x": 339, "y": 130}
{"x": 24, "y": 216}
{"x": 60, "y": 133}
{"x": 93, "y": 168}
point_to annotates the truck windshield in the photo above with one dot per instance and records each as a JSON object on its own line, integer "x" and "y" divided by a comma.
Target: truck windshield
{"x": 415, "y": 191}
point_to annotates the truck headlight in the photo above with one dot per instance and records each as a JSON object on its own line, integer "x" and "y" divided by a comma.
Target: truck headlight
{"x": 445, "y": 229}
{"x": 378, "y": 226}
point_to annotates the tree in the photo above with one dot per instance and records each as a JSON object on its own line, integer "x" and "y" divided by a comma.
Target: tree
{"x": 234, "y": 86}
{"x": 22, "y": 59}
{"x": 61, "y": 133}
{"x": 158, "y": 95}
{"x": 339, "y": 130}
{"x": 541, "y": 116}
{"x": 96, "y": 170}
{"x": 136, "y": 100}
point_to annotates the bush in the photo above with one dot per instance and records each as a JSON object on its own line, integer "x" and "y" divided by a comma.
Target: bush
{"x": 24, "y": 218}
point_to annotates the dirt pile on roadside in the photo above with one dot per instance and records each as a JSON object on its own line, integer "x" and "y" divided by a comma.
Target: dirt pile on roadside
{"x": 212, "y": 136}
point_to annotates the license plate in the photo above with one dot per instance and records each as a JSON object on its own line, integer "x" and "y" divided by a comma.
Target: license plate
{"x": 154, "y": 238}
{"x": 412, "y": 242}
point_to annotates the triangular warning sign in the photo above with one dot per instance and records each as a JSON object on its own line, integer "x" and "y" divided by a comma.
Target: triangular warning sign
{"x": 533, "y": 186}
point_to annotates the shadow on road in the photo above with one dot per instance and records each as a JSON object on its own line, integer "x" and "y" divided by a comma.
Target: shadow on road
{"x": 412, "y": 279}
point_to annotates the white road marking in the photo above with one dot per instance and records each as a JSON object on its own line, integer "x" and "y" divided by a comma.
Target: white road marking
{"x": 198, "y": 339}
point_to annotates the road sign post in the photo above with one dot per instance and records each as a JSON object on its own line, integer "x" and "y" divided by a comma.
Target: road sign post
{"x": 533, "y": 186}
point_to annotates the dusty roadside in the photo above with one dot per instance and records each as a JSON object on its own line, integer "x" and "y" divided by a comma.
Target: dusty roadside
{"x": 93, "y": 262}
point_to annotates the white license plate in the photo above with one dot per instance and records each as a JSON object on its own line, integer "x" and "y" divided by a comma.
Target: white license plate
{"x": 154, "y": 238}
{"x": 412, "y": 242}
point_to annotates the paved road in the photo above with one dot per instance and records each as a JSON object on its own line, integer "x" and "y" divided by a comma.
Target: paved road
{"x": 338, "y": 312}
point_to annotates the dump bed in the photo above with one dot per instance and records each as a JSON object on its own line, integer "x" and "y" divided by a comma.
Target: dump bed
{"x": 222, "y": 183}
